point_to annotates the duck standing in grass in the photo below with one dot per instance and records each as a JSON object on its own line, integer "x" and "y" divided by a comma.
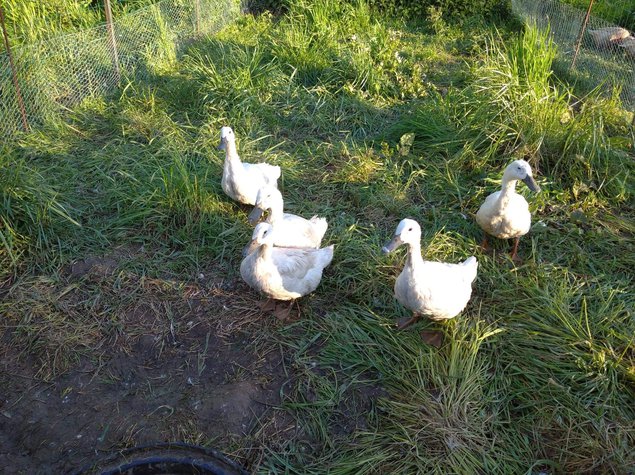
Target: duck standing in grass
{"x": 505, "y": 214}
{"x": 282, "y": 273}
{"x": 436, "y": 289}
{"x": 291, "y": 230}
{"x": 241, "y": 181}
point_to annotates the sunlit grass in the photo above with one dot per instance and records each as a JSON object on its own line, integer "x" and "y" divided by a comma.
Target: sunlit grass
{"x": 535, "y": 375}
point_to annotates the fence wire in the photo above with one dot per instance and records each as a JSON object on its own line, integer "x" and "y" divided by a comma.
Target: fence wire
{"x": 60, "y": 72}
{"x": 600, "y": 63}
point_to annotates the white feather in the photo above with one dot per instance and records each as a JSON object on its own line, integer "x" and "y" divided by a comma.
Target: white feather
{"x": 437, "y": 289}
{"x": 505, "y": 214}
{"x": 283, "y": 273}
{"x": 241, "y": 181}
{"x": 290, "y": 230}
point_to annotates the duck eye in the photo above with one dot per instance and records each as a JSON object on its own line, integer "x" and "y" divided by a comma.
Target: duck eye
{"x": 409, "y": 229}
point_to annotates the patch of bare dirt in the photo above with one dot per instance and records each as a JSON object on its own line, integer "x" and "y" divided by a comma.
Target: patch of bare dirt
{"x": 167, "y": 361}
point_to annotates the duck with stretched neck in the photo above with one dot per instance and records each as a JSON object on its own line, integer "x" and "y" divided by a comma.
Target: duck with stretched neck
{"x": 241, "y": 181}
{"x": 438, "y": 290}
{"x": 505, "y": 214}
{"x": 291, "y": 230}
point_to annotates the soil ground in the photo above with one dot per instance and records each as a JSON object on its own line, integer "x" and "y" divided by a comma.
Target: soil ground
{"x": 186, "y": 362}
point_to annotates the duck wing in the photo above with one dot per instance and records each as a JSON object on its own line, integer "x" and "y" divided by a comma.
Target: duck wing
{"x": 443, "y": 278}
{"x": 470, "y": 266}
{"x": 296, "y": 231}
{"x": 269, "y": 173}
{"x": 295, "y": 264}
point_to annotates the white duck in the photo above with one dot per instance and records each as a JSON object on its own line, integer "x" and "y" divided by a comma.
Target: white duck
{"x": 282, "y": 273}
{"x": 608, "y": 36}
{"x": 505, "y": 214}
{"x": 291, "y": 230}
{"x": 436, "y": 289}
{"x": 241, "y": 181}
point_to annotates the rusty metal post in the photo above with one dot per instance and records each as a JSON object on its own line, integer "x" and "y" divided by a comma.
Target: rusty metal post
{"x": 14, "y": 74}
{"x": 581, "y": 35}
{"x": 111, "y": 39}
{"x": 197, "y": 16}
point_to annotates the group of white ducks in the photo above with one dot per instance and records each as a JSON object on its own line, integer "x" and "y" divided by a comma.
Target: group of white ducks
{"x": 284, "y": 260}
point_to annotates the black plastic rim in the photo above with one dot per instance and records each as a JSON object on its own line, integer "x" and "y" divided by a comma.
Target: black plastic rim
{"x": 173, "y": 458}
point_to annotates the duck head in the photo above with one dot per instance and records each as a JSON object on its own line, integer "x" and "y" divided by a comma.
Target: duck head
{"x": 267, "y": 198}
{"x": 226, "y": 135}
{"x": 520, "y": 170}
{"x": 408, "y": 232}
{"x": 263, "y": 234}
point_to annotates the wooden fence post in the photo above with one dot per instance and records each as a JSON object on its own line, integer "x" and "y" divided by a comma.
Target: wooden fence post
{"x": 581, "y": 35}
{"x": 111, "y": 39}
{"x": 14, "y": 74}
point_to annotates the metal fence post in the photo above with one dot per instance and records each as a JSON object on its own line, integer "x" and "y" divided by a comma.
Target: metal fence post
{"x": 14, "y": 74}
{"x": 111, "y": 38}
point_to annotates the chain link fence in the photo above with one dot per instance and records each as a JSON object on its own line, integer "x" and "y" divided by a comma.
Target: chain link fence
{"x": 600, "y": 61}
{"x": 60, "y": 72}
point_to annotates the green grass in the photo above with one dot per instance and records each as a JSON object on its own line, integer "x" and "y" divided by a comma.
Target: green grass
{"x": 620, "y": 12}
{"x": 536, "y": 374}
{"x": 29, "y": 22}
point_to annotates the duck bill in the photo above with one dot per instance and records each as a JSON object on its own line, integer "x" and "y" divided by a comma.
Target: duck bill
{"x": 222, "y": 145}
{"x": 531, "y": 183}
{"x": 249, "y": 248}
{"x": 392, "y": 245}
{"x": 255, "y": 216}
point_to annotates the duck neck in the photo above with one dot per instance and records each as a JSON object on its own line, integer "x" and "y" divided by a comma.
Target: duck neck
{"x": 275, "y": 213}
{"x": 508, "y": 188}
{"x": 414, "y": 260}
{"x": 264, "y": 252}
{"x": 231, "y": 155}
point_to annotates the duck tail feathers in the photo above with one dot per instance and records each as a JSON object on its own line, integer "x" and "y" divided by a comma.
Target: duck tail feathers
{"x": 326, "y": 255}
{"x": 472, "y": 264}
{"x": 320, "y": 225}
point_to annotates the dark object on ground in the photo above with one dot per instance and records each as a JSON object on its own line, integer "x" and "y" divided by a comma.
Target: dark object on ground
{"x": 174, "y": 458}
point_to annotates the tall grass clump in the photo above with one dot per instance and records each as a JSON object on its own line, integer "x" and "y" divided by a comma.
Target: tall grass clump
{"x": 515, "y": 106}
{"x": 537, "y": 117}
{"x": 620, "y": 12}
{"x": 158, "y": 183}
{"x": 453, "y": 9}
{"x": 30, "y": 210}
{"x": 438, "y": 410}
{"x": 235, "y": 80}
{"x": 336, "y": 45}
{"x": 569, "y": 341}
{"x": 512, "y": 102}
{"x": 28, "y": 22}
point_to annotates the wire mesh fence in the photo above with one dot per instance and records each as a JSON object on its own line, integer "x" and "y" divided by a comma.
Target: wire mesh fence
{"x": 605, "y": 58}
{"x": 60, "y": 72}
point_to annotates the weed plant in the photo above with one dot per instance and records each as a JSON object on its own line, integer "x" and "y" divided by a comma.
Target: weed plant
{"x": 372, "y": 120}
